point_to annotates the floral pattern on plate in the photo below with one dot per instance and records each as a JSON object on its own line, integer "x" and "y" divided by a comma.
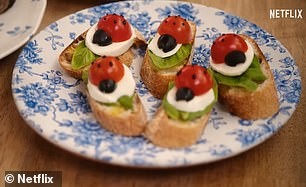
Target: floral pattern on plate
{"x": 55, "y": 104}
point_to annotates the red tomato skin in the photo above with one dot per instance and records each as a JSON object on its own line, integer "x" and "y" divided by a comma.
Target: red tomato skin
{"x": 195, "y": 78}
{"x": 225, "y": 44}
{"x": 105, "y": 68}
{"x": 177, "y": 27}
{"x": 116, "y": 26}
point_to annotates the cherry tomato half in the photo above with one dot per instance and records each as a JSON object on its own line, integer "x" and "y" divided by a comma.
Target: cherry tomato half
{"x": 177, "y": 27}
{"x": 195, "y": 78}
{"x": 226, "y": 44}
{"x": 116, "y": 26}
{"x": 104, "y": 68}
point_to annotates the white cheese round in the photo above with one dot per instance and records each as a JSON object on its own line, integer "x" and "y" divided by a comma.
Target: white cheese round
{"x": 114, "y": 49}
{"x": 159, "y": 52}
{"x": 237, "y": 70}
{"x": 197, "y": 103}
{"x": 125, "y": 87}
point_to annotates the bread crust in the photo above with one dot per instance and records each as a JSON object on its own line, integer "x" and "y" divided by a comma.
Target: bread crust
{"x": 166, "y": 132}
{"x": 157, "y": 80}
{"x": 261, "y": 103}
{"x": 127, "y": 123}
{"x": 66, "y": 55}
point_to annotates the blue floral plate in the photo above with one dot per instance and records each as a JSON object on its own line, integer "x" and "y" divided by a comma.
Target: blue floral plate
{"x": 56, "y": 107}
{"x": 17, "y": 31}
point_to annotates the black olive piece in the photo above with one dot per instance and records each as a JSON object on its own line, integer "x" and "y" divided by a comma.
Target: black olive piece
{"x": 101, "y": 38}
{"x": 184, "y": 94}
{"x": 166, "y": 43}
{"x": 107, "y": 86}
{"x": 235, "y": 57}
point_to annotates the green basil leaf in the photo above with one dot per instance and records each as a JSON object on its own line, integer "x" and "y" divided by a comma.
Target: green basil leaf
{"x": 173, "y": 60}
{"x": 254, "y": 72}
{"x": 170, "y": 110}
{"x": 85, "y": 74}
{"x": 240, "y": 81}
{"x": 126, "y": 102}
{"x": 248, "y": 80}
{"x": 82, "y": 57}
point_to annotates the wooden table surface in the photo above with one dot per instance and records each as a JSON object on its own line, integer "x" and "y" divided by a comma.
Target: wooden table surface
{"x": 280, "y": 161}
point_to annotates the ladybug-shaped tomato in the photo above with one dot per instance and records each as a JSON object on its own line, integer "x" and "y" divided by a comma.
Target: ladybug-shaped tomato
{"x": 116, "y": 26}
{"x": 192, "y": 78}
{"x": 107, "y": 69}
{"x": 177, "y": 27}
{"x": 229, "y": 49}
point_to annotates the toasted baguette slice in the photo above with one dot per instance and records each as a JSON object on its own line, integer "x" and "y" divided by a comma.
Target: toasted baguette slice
{"x": 261, "y": 103}
{"x": 118, "y": 120}
{"x": 166, "y": 132}
{"x": 66, "y": 55}
{"x": 157, "y": 80}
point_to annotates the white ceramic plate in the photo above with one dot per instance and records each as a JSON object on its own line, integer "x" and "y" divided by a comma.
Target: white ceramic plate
{"x": 19, "y": 23}
{"x": 55, "y": 104}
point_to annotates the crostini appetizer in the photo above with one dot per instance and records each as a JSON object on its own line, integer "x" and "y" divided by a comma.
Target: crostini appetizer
{"x": 185, "y": 109}
{"x": 111, "y": 36}
{"x": 167, "y": 52}
{"x": 112, "y": 97}
{"x": 245, "y": 81}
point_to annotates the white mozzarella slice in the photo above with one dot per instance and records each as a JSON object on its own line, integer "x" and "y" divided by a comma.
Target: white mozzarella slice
{"x": 197, "y": 103}
{"x": 126, "y": 86}
{"x": 159, "y": 52}
{"x": 114, "y": 49}
{"x": 237, "y": 70}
